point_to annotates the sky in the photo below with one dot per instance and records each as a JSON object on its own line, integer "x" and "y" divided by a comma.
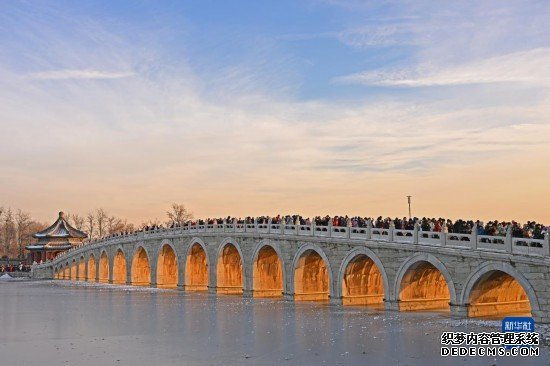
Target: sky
{"x": 261, "y": 107}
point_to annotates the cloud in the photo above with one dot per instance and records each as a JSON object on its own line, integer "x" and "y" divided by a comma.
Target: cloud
{"x": 79, "y": 74}
{"x": 531, "y": 67}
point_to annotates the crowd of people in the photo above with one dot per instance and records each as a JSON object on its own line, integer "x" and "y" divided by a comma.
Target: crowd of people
{"x": 10, "y": 267}
{"x": 531, "y": 229}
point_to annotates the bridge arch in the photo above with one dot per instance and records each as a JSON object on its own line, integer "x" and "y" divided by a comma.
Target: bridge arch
{"x": 498, "y": 289}
{"x": 229, "y": 268}
{"x": 91, "y": 264}
{"x": 103, "y": 274}
{"x": 119, "y": 267}
{"x": 196, "y": 266}
{"x": 362, "y": 265}
{"x": 141, "y": 268}
{"x": 74, "y": 270}
{"x": 167, "y": 266}
{"x": 81, "y": 273}
{"x": 268, "y": 270}
{"x": 424, "y": 283}
{"x": 312, "y": 278}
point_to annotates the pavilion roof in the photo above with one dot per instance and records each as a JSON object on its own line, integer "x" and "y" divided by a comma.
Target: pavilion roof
{"x": 60, "y": 229}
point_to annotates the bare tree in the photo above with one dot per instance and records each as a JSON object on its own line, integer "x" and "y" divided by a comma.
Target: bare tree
{"x": 101, "y": 220}
{"x": 77, "y": 221}
{"x": 9, "y": 231}
{"x": 23, "y": 222}
{"x": 178, "y": 214}
{"x": 90, "y": 225}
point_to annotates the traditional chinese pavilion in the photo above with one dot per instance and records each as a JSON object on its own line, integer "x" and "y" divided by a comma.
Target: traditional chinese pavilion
{"x": 58, "y": 238}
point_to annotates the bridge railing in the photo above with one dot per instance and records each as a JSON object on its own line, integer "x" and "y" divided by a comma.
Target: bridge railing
{"x": 503, "y": 244}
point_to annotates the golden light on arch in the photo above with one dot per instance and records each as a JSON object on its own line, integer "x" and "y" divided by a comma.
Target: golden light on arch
{"x": 362, "y": 283}
{"x": 91, "y": 269}
{"x": 74, "y": 268}
{"x": 311, "y": 278}
{"x": 424, "y": 287}
{"x": 141, "y": 270}
{"x": 119, "y": 268}
{"x": 267, "y": 273}
{"x": 66, "y": 272}
{"x": 497, "y": 294}
{"x": 81, "y": 275}
{"x": 230, "y": 271}
{"x": 196, "y": 269}
{"x": 103, "y": 268}
{"x": 167, "y": 268}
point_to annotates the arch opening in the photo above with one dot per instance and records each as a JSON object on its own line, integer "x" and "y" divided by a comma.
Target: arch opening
{"x": 267, "y": 274}
{"x": 66, "y": 273}
{"x": 141, "y": 270}
{"x": 497, "y": 294}
{"x": 81, "y": 276}
{"x": 311, "y": 278}
{"x": 230, "y": 271}
{"x": 424, "y": 287}
{"x": 363, "y": 283}
{"x": 196, "y": 269}
{"x": 119, "y": 268}
{"x": 167, "y": 268}
{"x": 74, "y": 269}
{"x": 103, "y": 268}
{"x": 91, "y": 269}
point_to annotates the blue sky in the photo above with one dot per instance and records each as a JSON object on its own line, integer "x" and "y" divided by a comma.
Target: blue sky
{"x": 330, "y": 96}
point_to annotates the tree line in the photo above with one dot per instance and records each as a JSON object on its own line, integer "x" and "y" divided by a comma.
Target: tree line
{"x": 17, "y": 226}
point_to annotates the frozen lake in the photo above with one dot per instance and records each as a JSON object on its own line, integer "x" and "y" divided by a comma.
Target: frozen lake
{"x": 63, "y": 323}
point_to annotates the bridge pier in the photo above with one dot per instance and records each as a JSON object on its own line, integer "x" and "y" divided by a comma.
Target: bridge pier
{"x": 288, "y": 296}
{"x": 212, "y": 290}
{"x": 247, "y": 294}
{"x": 336, "y": 300}
{"x": 391, "y": 305}
{"x": 459, "y": 311}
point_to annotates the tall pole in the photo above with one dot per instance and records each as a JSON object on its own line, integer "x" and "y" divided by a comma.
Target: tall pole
{"x": 409, "y": 200}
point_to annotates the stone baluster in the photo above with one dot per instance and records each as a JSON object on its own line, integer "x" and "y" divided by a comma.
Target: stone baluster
{"x": 443, "y": 234}
{"x": 234, "y": 224}
{"x": 547, "y": 243}
{"x": 391, "y": 230}
{"x": 282, "y": 224}
{"x": 473, "y": 243}
{"x": 313, "y": 228}
{"x": 508, "y": 241}
{"x": 330, "y": 228}
{"x": 415, "y": 232}
{"x": 369, "y": 229}
{"x": 269, "y": 221}
{"x": 256, "y": 224}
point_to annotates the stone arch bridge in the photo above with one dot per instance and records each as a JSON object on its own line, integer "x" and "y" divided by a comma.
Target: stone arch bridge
{"x": 406, "y": 270}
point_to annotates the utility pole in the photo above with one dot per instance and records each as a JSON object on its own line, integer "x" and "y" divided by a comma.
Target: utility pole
{"x": 409, "y": 200}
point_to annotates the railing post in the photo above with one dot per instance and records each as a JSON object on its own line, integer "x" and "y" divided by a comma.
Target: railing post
{"x": 508, "y": 241}
{"x": 256, "y": 224}
{"x": 390, "y": 231}
{"x": 369, "y": 229}
{"x": 282, "y": 224}
{"x": 473, "y": 244}
{"x": 547, "y": 243}
{"x": 415, "y": 232}
{"x": 269, "y": 221}
{"x": 234, "y": 225}
{"x": 443, "y": 237}
{"x": 330, "y": 229}
{"x": 313, "y": 228}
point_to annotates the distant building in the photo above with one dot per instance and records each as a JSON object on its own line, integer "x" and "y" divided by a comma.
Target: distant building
{"x": 59, "y": 237}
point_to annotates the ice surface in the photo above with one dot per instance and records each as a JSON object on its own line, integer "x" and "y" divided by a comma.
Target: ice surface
{"x": 78, "y": 323}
